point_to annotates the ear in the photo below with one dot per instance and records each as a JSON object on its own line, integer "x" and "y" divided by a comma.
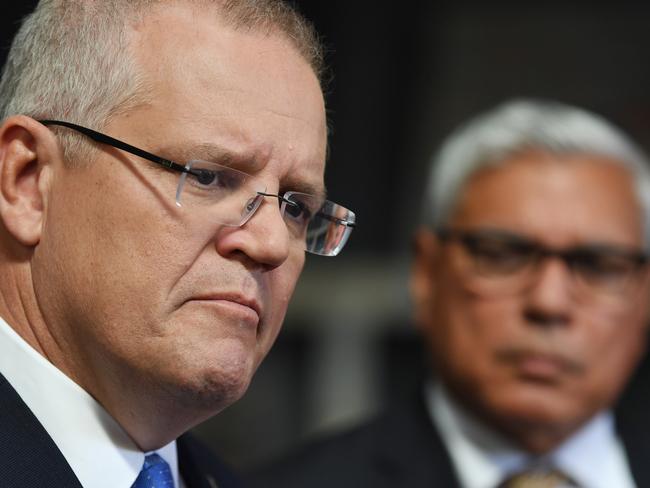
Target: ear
{"x": 26, "y": 150}
{"x": 426, "y": 248}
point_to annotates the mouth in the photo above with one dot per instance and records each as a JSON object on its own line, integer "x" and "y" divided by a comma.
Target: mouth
{"x": 540, "y": 366}
{"x": 239, "y": 307}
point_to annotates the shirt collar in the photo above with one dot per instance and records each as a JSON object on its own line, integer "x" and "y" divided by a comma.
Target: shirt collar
{"x": 97, "y": 449}
{"x": 482, "y": 458}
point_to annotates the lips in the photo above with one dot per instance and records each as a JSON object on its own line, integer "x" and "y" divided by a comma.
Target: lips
{"x": 234, "y": 301}
{"x": 540, "y": 365}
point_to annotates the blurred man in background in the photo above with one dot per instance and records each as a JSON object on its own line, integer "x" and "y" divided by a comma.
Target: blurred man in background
{"x": 146, "y": 269}
{"x": 530, "y": 285}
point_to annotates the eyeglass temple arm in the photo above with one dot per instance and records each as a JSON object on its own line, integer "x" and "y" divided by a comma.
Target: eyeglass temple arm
{"x": 104, "y": 139}
{"x": 331, "y": 218}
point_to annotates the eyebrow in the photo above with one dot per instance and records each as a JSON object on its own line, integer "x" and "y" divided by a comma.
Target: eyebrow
{"x": 304, "y": 187}
{"x": 592, "y": 244}
{"x": 182, "y": 153}
{"x": 250, "y": 162}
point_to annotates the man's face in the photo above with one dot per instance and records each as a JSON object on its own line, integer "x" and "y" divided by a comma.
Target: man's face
{"x": 550, "y": 353}
{"x": 144, "y": 295}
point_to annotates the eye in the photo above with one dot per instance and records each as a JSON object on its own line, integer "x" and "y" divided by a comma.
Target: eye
{"x": 297, "y": 210}
{"x": 492, "y": 255}
{"x": 300, "y": 211}
{"x": 596, "y": 266}
{"x": 217, "y": 178}
{"x": 206, "y": 177}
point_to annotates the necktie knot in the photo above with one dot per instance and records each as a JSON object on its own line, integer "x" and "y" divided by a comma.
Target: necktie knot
{"x": 155, "y": 473}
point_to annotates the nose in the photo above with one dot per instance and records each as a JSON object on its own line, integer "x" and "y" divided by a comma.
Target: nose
{"x": 548, "y": 300}
{"x": 264, "y": 238}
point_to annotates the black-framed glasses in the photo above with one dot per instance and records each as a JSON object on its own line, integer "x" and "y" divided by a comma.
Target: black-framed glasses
{"x": 231, "y": 197}
{"x": 504, "y": 262}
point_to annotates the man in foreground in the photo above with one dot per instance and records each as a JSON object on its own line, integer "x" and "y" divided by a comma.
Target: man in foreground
{"x": 530, "y": 285}
{"x": 161, "y": 177}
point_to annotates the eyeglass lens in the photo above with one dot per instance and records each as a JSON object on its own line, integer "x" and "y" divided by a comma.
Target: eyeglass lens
{"x": 507, "y": 262}
{"x": 232, "y": 198}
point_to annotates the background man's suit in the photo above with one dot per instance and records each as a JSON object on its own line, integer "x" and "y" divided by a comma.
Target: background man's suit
{"x": 403, "y": 449}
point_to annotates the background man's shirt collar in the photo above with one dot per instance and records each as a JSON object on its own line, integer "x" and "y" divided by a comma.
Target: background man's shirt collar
{"x": 594, "y": 456}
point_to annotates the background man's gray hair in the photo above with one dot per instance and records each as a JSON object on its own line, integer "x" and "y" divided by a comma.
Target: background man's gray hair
{"x": 70, "y": 59}
{"x": 521, "y": 125}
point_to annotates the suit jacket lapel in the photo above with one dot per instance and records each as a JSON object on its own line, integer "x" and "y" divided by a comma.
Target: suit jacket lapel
{"x": 631, "y": 415}
{"x": 28, "y": 455}
{"x": 636, "y": 441}
{"x": 410, "y": 452}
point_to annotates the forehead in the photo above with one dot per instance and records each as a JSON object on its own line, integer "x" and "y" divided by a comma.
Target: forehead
{"x": 559, "y": 199}
{"x": 249, "y": 93}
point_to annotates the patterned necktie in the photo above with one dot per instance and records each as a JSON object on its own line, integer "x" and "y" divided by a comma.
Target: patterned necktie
{"x": 538, "y": 479}
{"x": 154, "y": 474}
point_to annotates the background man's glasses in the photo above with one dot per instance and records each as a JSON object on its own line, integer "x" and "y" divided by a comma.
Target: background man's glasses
{"x": 231, "y": 197}
{"x": 502, "y": 262}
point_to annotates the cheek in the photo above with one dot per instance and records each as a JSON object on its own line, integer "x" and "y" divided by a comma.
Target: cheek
{"x": 281, "y": 283}
{"x": 477, "y": 322}
{"x": 612, "y": 343}
{"x": 467, "y": 330}
{"x": 120, "y": 251}
{"x": 136, "y": 265}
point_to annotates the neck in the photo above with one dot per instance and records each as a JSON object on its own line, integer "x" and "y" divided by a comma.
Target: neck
{"x": 533, "y": 434}
{"x": 533, "y": 437}
{"x": 151, "y": 416}
{"x": 19, "y": 307}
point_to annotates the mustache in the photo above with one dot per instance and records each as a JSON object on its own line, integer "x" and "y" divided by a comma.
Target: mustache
{"x": 568, "y": 362}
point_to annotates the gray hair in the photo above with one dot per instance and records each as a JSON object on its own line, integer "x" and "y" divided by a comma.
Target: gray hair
{"x": 521, "y": 125}
{"x": 67, "y": 60}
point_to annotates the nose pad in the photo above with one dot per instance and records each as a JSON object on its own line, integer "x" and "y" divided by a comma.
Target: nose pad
{"x": 266, "y": 241}
{"x": 252, "y": 204}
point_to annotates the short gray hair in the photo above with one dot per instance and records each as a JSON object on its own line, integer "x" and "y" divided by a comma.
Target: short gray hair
{"x": 67, "y": 60}
{"x": 520, "y": 125}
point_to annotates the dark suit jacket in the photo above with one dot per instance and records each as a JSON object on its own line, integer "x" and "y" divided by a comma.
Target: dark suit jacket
{"x": 402, "y": 449}
{"x": 30, "y": 459}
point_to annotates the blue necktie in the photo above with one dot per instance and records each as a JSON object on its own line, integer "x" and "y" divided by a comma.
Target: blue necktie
{"x": 154, "y": 474}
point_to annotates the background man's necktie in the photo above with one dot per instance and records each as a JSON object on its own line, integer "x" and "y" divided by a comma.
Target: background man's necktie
{"x": 537, "y": 479}
{"x": 155, "y": 474}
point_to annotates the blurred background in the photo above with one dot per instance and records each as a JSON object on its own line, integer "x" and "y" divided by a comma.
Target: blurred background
{"x": 404, "y": 75}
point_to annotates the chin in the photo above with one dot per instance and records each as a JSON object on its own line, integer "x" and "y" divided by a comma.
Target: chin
{"x": 536, "y": 408}
{"x": 212, "y": 391}
{"x": 216, "y": 381}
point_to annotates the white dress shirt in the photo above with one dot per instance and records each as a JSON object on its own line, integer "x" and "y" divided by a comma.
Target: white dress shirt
{"x": 97, "y": 449}
{"x": 594, "y": 456}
